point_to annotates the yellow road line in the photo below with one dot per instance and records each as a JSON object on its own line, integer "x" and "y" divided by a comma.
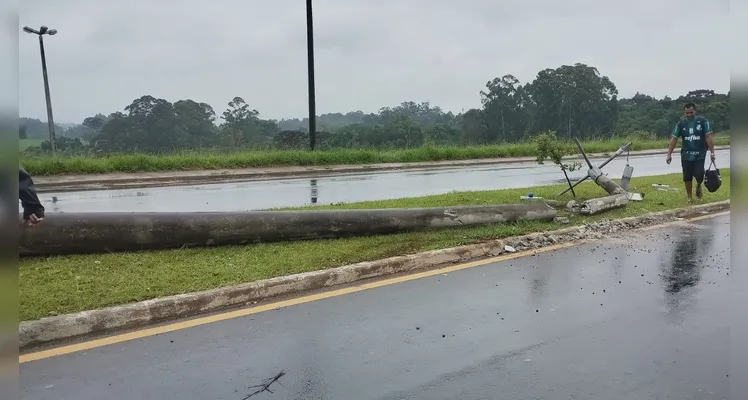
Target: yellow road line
{"x": 88, "y": 345}
{"x": 271, "y": 306}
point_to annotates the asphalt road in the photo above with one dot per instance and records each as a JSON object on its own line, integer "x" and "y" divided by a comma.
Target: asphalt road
{"x": 643, "y": 317}
{"x": 349, "y": 188}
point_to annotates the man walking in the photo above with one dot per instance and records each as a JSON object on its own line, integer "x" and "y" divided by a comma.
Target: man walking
{"x": 695, "y": 133}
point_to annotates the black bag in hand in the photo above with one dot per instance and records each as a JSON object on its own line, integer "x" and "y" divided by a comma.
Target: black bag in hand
{"x": 712, "y": 179}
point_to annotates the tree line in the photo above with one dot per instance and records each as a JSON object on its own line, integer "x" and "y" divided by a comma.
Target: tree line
{"x": 31, "y": 128}
{"x": 571, "y": 100}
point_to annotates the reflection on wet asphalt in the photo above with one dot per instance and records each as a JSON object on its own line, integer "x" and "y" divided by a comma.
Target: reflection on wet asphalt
{"x": 328, "y": 190}
{"x": 633, "y": 318}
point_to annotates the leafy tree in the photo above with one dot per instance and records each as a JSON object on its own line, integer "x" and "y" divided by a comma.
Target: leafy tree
{"x": 198, "y": 122}
{"x": 575, "y": 100}
{"x": 549, "y": 147}
{"x": 243, "y": 127}
{"x": 504, "y": 107}
{"x": 474, "y": 129}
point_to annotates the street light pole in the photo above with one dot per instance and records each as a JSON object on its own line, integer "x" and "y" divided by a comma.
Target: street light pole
{"x": 310, "y": 76}
{"x": 50, "y": 119}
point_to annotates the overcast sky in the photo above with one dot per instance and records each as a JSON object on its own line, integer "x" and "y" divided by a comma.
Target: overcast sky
{"x": 369, "y": 53}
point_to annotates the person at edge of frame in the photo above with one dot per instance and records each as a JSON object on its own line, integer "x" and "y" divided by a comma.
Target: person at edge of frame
{"x": 33, "y": 210}
{"x": 696, "y": 134}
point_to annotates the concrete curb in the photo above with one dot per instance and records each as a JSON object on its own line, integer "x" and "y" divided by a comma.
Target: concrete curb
{"x": 52, "y": 329}
{"x": 65, "y": 183}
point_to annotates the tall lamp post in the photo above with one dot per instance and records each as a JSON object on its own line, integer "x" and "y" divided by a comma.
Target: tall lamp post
{"x": 310, "y": 76}
{"x": 50, "y": 120}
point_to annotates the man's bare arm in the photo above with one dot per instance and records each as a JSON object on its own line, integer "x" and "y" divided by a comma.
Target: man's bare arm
{"x": 709, "y": 139}
{"x": 671, "y": 146}
{"x": 710, "y": 142}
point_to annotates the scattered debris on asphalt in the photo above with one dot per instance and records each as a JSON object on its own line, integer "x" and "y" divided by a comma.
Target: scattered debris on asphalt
{"x": 265, "y": 385}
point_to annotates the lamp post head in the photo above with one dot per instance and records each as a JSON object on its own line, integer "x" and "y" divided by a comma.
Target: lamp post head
{"x": 44, "y": 30}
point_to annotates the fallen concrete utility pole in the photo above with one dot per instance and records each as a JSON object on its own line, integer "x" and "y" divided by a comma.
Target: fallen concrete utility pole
{"x": 604, "y": 182}
{"x": 113, "y": 232}
{"x": 594, "y": 206}
{"x": 620, "y": 151}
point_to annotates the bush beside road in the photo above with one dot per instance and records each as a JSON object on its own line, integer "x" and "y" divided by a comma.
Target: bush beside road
{"x": 67, "y": 284}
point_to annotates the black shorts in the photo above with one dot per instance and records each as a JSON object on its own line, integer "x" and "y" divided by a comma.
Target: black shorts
{"x": 693, "y": 169}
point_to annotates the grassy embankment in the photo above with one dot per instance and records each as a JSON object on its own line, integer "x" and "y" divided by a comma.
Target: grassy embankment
{"x": 67, "y": 284}
{"x": 187, "y": 161}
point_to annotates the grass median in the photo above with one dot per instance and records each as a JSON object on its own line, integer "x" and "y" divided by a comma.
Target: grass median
{"x": 66, "y": 284}
{"x": 194, "y": 161}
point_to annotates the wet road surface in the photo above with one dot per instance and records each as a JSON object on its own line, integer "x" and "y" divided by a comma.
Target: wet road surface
{"x": 349, "y": 188}
{"x": 643, "y": 317}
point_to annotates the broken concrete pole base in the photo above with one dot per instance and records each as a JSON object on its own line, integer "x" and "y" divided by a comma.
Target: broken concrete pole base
{"x": 636, "y": 196}
{"x": 113, "y": 232}
{"x": 594, "y": 206}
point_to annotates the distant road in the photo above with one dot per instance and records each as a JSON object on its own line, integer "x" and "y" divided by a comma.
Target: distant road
{"x": 254, "y": 195}
{"x": 185, "y": 178}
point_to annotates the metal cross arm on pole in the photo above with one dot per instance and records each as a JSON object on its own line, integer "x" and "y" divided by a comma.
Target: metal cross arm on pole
{"x": 620, "y": 151}
{"x": 581, "y": 151}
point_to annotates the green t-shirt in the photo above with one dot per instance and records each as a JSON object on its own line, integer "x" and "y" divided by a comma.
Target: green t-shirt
{"x": 692, "y": 133}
